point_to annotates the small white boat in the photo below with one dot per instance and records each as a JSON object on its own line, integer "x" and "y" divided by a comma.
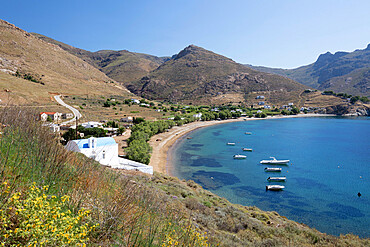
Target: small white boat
{"x": 247, "y": 149}
{"x": 239, "y": 156}
{"x": 274, "y": 161}
{"x": 275, "y": 187}
{"x": 248, "y": 133}
{"x": 231, "y": 143}
{"x": 272, "y": 169}
{"x": 277, "y": 179}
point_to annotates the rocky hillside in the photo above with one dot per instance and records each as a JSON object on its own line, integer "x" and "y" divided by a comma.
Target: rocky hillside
{"x": 122, "y": 66}
{"x": 30, "y": 69}
{"x": 201, "y": 76}
{"x": 347, "y": 72}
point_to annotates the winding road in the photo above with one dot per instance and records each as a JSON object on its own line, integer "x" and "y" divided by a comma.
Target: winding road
{"x": 75, "y": 112}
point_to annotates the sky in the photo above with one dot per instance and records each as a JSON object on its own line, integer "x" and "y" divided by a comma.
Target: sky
{"x": 283, "y": 34}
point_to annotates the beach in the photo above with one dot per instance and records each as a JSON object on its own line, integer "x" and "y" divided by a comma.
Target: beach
{"x": 162, "y": 142}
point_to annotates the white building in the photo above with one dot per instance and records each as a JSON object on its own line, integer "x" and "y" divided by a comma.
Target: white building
{"x": 260, "y": 97}
{"x": 127, "y": 119}
{"x": 261, "y": 103}
{"x": 198, "y": 115}
{"x": 55, "y": 116}
{"x": 53, "y": 127}
{"x": 88, "y": 125}
{"x": 267, "y": 107}
{"x": 135, "y": 101}
{"x": 105, "y": 151}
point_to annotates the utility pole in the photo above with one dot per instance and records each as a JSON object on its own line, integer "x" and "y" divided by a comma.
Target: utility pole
{"x": 76, "y": 127}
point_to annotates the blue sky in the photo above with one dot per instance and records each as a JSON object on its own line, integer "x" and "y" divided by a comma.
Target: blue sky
{"x": 285, "y": 33}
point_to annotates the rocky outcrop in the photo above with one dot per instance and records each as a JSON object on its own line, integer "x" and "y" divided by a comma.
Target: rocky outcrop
{"x": 349, "y": 110}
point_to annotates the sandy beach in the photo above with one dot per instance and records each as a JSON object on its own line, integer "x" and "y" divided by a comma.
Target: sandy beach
{"x": 163, "y": 141}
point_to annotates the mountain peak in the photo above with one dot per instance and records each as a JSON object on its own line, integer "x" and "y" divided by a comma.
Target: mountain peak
{"x": 188, "y": 50}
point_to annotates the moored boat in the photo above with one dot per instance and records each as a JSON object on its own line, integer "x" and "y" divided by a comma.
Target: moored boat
{"x": 247, "y": 149}
{"x": 248, "y": 133}
{"x": 277, "y": 179}
{"x": 275, "y": 187}
{"x": 272, "y": 169}
{"x": 239, "y": 156}
{"x": 231, "y": 143}
{"x": 274, "y": 161}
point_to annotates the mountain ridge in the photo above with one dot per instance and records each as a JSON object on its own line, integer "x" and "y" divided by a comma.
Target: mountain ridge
{"x": 332, "y": 71}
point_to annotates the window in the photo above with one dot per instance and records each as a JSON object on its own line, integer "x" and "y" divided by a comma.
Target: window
{"x": 104, "y": 154}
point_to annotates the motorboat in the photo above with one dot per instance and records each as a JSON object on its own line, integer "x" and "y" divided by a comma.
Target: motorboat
{"x": 274, "y": 161}
{"x": 277, "y": 179}
{"x": 272, "y": 169}
{"x": 275, "y": 187}
{"x": 239, "y": 156}
{"x": 247, "y": 149}
{"x": 248, "y": 133}
{"x": 231, "y": 143}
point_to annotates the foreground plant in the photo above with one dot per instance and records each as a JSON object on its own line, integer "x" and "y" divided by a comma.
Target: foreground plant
{"x": 34, "y": 218}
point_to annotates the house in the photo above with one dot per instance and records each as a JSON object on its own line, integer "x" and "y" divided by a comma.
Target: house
{"x": 53, "y": 127}
{"x": 260, "y": 97}
{"x": 102, "y": 149}
{"x": 215, "y": 109}
{"x": 135, "y": 101}
{"x": 89, "y": 125}
{"x": 290, "y": 104}
{"x": 261, "y": 103}
{"x": 67, "y": 115}
{"x": 55, "y": 116}
{"x": 105, "y": 151}
{"x": 198, "y": 115}
{"x": 267, "y": 107}
{"x": 127, "y": 119}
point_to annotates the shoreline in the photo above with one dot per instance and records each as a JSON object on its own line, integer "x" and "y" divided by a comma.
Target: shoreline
{"x": 161, "y": 161}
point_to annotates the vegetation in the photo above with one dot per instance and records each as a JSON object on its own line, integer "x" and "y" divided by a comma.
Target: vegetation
{"x": 49, "y": 194}
{"x": 30, "y": 77}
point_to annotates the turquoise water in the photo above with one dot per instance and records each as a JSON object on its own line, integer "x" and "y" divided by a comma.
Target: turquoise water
{"x": 329, "y": 165}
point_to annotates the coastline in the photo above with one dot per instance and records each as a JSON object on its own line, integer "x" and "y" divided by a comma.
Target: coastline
{"x": 160, "y": 161}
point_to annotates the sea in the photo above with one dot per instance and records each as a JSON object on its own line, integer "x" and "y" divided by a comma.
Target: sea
{"x": 329, "y": 166}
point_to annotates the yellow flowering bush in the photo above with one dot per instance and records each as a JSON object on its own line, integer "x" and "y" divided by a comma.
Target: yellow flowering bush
{"x": 184, "y": 237}
{"x": 34, "y": 219}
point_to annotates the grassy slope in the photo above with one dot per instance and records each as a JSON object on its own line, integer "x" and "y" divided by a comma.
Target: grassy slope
{"x": 135, "y": 209}
{"x": 122, "y": 66}
{"x": 200, "y": 76}
{"x": 60, "y": 71}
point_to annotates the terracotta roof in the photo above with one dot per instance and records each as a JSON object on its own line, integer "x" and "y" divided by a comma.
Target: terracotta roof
{"x": 47, "y": 113}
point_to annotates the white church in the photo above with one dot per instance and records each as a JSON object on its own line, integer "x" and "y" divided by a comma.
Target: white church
{"x": 105, "y": 151}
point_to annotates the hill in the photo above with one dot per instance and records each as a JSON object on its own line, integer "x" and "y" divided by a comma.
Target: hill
{"x": 196, "y": 75}
{"x": 30, "y": 69}
{"x": 347, "y": 72}
{"x": 122, "y": 66}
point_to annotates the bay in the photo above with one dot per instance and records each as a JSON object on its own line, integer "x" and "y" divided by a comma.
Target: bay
{"x": 329, "y": 166}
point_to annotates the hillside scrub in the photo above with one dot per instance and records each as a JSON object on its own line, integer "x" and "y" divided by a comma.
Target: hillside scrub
{"x": 121, "y": 211}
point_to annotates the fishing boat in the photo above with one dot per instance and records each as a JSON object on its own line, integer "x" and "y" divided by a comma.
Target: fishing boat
{"x": 275, "y": 187}
{"x": 239, "y": 156}
{"x": 272, "y": 169}
{"x": 277, "y": 179}
{"x": 231, "y": 143}
{"x": 247, "y": 149}
{"x": 274, "y": 161}
{"x": 248, "y": 133}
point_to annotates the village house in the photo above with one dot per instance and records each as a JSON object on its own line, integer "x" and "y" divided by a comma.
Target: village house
{"x": 67, "y": 115}
{"x": 105, "y": 151}
{"x": 260, "y": 97}
{"x": 127, "y": 119}
{"x": 135, "y": 101}
{"x": 261, "y": 103}
{"x": 55, "y": 116}
{"x": 198, "y": 115}
{"x": 88, "y": 125}
{"x": 53, "y": 127}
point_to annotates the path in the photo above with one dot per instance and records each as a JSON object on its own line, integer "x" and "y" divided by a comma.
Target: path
{"x": 75, "y": 112}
